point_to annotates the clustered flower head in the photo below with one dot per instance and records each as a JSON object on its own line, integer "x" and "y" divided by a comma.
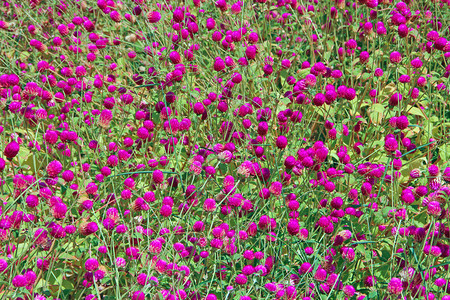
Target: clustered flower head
{"x": 223, "y": 150}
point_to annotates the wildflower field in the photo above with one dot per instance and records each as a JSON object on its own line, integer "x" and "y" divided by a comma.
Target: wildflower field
{"x": 223, "y": 149}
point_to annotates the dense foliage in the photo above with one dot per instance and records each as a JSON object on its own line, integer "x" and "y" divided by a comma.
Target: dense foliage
{"x": 198, "y": 149}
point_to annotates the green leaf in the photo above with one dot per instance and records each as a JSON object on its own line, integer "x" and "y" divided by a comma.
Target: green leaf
{"x": 302, "y": 73}
{"x": 360, "y": 248}
{"x": 415, "y": 111}
{"x": 365, "y": 76}
{"x": 67, "y": 284}
{"x": 24, "y": 55}
{"x": 386, "y": 210}
{"x": 377, "y": 112}
{"x": 440, "y": 265}
{"x": 373, "y": 294}
{"x": 378, "y": 107}
{"x": 363, "y": 242}
{"x": 379, "y": 219}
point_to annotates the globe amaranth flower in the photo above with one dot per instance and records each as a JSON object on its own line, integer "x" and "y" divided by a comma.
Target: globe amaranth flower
{"x": 88, "y": 228}
{"x": 293, "y": 227}
{"x": 395, "y": 57}
{"x": 19, "y": 281}
{"x": 241, "y": 279}
{"x": 402, "y": 122}
{"x": 349, "y": 290}
{"x": 158, "y": 176}
{"x": 11, "y": 150}
{"x": 153, "y": 16}
{"x": 121, "y": 262}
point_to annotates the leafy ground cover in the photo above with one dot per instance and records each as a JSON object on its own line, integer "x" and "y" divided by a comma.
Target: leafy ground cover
{"x": 208, "y": 150}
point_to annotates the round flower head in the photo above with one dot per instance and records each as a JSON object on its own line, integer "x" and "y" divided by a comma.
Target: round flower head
{"x": 286, "y": 64}
{"x": 68, "y": 176}
{"x": 446, "y": 174}
{"x": 349, "y": 290}
{"x": 433, "y": 170}
{"x": 435, "y": 251}
{"x": 404, "y": 78}
{"x": 91, "y": 264}
{"x": 154, "y": 16}
{"x": 310, "y": 80}
{"x": 432, "y": 35}
{"x": 43, "y": 264}
{"x": 395, "y": 286}
{"x": 54, "y": 168}
{"x": 59, "y": 210}
{"x": 321, "y": 274}
{"x": 403, "y": 30}
{"x": 70, "y": 229}
{"x": 250, "y": 52}
{"x": 105, "y": 118}
{"x": 219, "y": 65}
{"x": 368, "y": 28}
{"x": 138, "y": 295}
{"x": 434, "y": 208}
{"x": 3, "y": 265}
{"x": 158, "y": 176}
{"x": 13, "y": 79}
{"x": 440, "y": 43}
{"x": 32, "y": 201}
{"x": 366, "y": 188}
{"x": 199, "y": 108}
{"x": 348, "y": 253}
{"x": 209, "y": 205}
{"x": 88, "y": 228}
{"x": 402, "y": 122}
{"x": 241, "y": 279}
{"x": 378, "y": 72}
{"x": 293, "y": 227}
{"x": 217, "y": 36}
{"x": 121, "y": 262}
{"x": 281, "y": 142}
{"x": 416, "y": 63}
{"x": 276, "y": 188}
{"x": 175, "y": 57}
{"x": 395, "y": 99}
{"x": 11, "y": 150}
{"x": 395, "y": 57}
{"x": 370, "y": 281}
{"x": 31, "y": 277}
{"x": 415, "y": 173}
{"x": 364, "y": 57}
{"x": 19, "y": 281}
{"x": 166, "y": 210}
{"x": 391, "y": 144}
{"x": 351, "y": 44}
